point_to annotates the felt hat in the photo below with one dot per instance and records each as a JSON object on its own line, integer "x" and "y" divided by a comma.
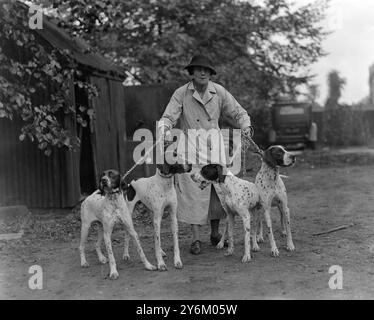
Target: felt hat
{"x": 200, "y": 61}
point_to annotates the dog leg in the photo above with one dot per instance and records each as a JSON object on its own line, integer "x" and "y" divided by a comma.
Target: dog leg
{"x": 274, "y": 249}
{"x": 260, "y": 236}
{"x": 174, "y": 229}
{"x": 247, "y": 238}
{"x": 100, "y": 255}
{"x": 108, "y": 227}
{"x": 282, "y": 219}
{"x": 130, "y": 231}
{"x": 126, "y": 255}
{"x": 157, "y": 217}
{"x": 84, "y": 234}
{"x": 231, "y": 222}
{"x": 221, "y": 243}
{"x": 256, "y": 218}
{"x": 286, "y": 213}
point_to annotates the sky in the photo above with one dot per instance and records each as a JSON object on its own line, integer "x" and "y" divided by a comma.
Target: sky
{"x": 350, "y": 48}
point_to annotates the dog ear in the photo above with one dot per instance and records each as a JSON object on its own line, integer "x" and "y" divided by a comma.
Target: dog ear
{"x": 269, "y": 158}
{"x": 221, "y": 176}
{"x": 166, "y": 168}
{"x": 123, "y": 184}
{"x": 117, "y": 181}
{"x": 101, "y": 187}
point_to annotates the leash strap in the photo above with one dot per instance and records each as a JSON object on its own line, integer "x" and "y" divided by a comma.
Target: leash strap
{"x": 143, "y": 158}
{"x": 247, "y": 143}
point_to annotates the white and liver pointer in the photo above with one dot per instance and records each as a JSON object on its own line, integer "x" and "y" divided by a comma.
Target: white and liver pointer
{"x": 243, "y": 197}
{"x": 240, "y": 197}
{"x": 108, "y": 206}
{"x": 158, "y": 193}
{"x": 273, "y": 192}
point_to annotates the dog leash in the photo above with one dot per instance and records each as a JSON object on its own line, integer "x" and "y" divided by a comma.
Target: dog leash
{"x": 247, "y": 143}
{"x": 143, "y": 158}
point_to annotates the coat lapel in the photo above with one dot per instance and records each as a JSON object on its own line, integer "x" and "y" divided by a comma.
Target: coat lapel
{"x": 197, "y": 97}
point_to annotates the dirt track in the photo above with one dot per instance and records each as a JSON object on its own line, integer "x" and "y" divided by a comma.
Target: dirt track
{"x": 319, "y": 199}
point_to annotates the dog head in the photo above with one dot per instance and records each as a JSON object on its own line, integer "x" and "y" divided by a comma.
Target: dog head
{"x": 180, "y": 166}
{"x": 208, "y": 174}
{"x": 276, "y": 156}
{"x": 109, "y": 181}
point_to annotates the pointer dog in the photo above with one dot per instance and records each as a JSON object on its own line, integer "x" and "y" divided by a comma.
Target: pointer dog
{"x": 243, "y": 197}
{"x": 273, "y": 192}
{"x": 108, "y": 206}
{"x": 240, "y": 196}
{"x": 158, "y": 193}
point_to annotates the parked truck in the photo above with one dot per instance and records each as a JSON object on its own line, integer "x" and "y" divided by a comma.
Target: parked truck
{"x": 292, "y": 125}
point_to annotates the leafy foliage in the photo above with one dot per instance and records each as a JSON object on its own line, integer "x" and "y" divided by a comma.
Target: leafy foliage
{"x": 258, "y": 50}
{"x": 35, "y": 82}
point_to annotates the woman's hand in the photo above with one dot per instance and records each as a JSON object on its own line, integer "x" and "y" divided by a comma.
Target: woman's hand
{"x": 248, "y": 131}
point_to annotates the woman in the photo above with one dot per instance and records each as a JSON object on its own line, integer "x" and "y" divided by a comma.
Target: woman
{"x": 198, "y": 105}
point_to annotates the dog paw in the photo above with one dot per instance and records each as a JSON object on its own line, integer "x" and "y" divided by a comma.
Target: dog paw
{"x": 220, "y": 245}
{"x": 260, "y": 239}
{"x": 85, "y": 264}
{"x": 255, "y": 248}
{"x": 162, "y": 267}
{"x": 113, "y": 275}
{"x": 150, "y": 267}
{"x": 275, "y": 252}
{"x": 126, "y": 257}
{"x": 246, "y": 258}
{"x": 290, "y": 247}
{"x": 163, "y": 254}
{"x": 178, "y": 264}
{"x": 103, "y": 260}
{"x": 229, "y": 252}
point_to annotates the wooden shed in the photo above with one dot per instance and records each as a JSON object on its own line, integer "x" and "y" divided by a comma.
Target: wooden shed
{"x": 27, "y": 176}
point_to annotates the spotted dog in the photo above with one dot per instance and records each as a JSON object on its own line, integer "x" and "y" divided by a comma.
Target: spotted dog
{"x": 158, "y": 193}
{"x": 273, "y": 192}
{"x": 240, "y": 197}
{"x": 108, "y": 206}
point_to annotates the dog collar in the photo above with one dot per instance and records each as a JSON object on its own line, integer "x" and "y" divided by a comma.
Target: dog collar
{"x": 114, "y": 191}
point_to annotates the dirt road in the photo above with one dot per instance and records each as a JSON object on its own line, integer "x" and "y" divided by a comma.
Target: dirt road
{"x": 319, "y": 199}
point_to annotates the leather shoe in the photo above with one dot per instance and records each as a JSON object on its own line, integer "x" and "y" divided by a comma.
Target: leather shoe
{"x": 196, "y": 247}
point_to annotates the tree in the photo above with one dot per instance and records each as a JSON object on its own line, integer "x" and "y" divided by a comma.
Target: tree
{"x": 335, "y": 84}
{"x": 313, "y": 93}
{"x": 35, "y": 82}
{"x": 343, "y": 125}
{"x": 258, "y": 50}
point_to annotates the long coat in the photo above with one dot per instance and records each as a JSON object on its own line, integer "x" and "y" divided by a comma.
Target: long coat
{"x": 195, "y": 112}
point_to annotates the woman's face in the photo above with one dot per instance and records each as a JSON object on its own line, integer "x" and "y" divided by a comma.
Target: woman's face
{"x": 201, "y": 75}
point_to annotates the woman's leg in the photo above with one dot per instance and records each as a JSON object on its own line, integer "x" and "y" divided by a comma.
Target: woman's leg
{"x": 195, "y": 232}
{"x": 196, "y": 243}
{"x": 216, "y": 212}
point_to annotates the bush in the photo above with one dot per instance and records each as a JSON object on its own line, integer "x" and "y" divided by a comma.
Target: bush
{"x": 343, "y": 126}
